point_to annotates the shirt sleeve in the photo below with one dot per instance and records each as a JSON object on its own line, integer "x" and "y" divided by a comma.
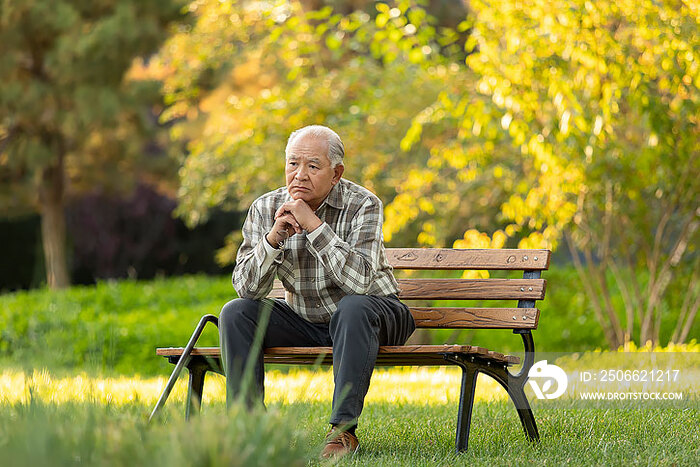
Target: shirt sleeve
{"x": 351, "y": 264}
{"x": 257, "y": 260}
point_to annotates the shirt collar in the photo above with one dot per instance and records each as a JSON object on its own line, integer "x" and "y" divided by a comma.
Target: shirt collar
{"x": 335, "y": 196}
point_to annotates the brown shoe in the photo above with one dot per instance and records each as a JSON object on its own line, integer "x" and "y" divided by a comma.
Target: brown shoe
{"x": 339, "y": 443}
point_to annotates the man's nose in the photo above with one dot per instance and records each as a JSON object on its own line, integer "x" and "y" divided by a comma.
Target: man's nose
{"x": 302, "y": 173}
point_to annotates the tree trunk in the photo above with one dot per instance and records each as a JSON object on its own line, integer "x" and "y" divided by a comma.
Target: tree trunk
{"x": 53, "y": 226}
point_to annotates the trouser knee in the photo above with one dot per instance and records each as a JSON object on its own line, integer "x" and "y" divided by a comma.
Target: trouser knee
{"x": 354, "y": 310}
{"x": 238, "y": 312}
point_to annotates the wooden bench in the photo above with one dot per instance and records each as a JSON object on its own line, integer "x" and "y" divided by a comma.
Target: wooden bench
{"x": 522, "y": 319}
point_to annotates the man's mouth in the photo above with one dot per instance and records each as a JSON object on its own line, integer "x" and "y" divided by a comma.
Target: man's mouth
{"x": 302, "y": 188}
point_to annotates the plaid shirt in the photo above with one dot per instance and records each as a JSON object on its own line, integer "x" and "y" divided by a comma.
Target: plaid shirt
{"x": 344, "y": 256}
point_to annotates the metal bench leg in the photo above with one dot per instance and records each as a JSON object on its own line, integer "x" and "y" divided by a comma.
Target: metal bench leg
{"x": 194, "y": 390}
{"x": 466, "y": 403}
{"x": 184, "y": 360}
{"x": 526, "y": 416}
{"x": 515, "y": 384}
{"x": 515, "y": 387}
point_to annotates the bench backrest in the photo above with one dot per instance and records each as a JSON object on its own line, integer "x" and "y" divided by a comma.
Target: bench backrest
{"x": 526, "y": 290}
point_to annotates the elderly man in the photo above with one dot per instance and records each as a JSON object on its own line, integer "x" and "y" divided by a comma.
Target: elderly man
{"x": 322, "y": 236}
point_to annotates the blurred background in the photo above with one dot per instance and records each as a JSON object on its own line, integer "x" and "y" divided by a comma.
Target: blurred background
{"x": 135, "y": 134}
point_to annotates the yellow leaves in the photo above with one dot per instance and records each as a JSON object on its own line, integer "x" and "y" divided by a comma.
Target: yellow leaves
{"x": 467, "y": 175}
{"x": 408, "y": 204}
{"x": 498, "y": 239}
{"x": 382, "y": 8}
{"x": 471, "y": 274}
{"x": 630, "y": 346}
{"x": 475, "y": 239}
{"x": 455, "y": 157}
{"x": 480, "y": 240}
{"x": 426, "y": 206}
{"x": 512, "y": 42}
{"x": 412, "y": 135}
{"x": 400, "y": 212}
{"x": 598, "y": 126}
{"x": 418, "y": 179}
{"x": 505, "y": 120}
{"x": 537, "y": 240}
{"x": 564, "y": 123}
{"x": 416, "y": 55}
{"x": 533, "y": 241}
{"x": 334, "y": 41}
{"x": 514, "y": 209}
{"x": 427, "y": 236}
{"x": 512, "y": 229}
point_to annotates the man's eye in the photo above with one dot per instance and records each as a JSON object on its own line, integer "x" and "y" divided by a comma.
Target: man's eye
{"x": 293, "y": 164}
{"x": 314, "y": 167}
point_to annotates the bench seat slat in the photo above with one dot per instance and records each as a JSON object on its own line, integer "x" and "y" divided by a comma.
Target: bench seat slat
{"x": 382, "y": 360}
{"x": 455, "y": 259}
{"x": 394, "y": 355}
{"x": 460, "y": 289}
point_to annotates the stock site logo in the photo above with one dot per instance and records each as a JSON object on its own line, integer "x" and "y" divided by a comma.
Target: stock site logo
{"x": 547, "y": 374}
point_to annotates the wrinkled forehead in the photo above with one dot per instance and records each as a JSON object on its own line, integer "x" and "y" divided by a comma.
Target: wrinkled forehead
{"x": 309, "y": 147}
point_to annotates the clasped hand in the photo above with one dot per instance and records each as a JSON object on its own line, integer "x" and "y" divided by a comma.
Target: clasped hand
{"x": 291, "y": 218}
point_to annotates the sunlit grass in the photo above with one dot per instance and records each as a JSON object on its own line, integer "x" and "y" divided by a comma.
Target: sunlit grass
{"x": 402, "y": 385}
{"x": 428, "y": 386}
{"x": 57, "y": 419}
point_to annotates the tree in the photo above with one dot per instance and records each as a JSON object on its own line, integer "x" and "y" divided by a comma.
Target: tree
{"x": 570, "y": 122}
{"x": 599, "y": 103}
{"x": 245, "y": 78}
{"x": 70, "y": 115}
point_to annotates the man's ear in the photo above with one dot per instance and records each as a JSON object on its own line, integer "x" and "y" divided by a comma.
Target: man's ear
{"x": 338, "y": 169}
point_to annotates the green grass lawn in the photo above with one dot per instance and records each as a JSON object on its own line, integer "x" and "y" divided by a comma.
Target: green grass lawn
{"x": 79, "y": 377}
{"x": 409, "y": 419}
{"x": 291, "y": 434}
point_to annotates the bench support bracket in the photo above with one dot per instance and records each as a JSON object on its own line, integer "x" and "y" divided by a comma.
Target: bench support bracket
{"x": 197, "y": 372}
{"x": 514, "y": 385}
{"x": 195, "y": 387}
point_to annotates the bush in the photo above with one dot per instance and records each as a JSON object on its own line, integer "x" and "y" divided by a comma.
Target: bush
{"x": 112, "y": 326}
{"x": 115, "y": 326}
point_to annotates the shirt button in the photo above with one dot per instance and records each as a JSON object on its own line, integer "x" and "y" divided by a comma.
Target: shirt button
{"x": 312, "y": 280}
{"x": 318, "y": 305}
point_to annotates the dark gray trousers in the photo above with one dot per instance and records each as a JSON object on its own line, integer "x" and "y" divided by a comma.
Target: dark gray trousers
{"x": 358, "y": 327}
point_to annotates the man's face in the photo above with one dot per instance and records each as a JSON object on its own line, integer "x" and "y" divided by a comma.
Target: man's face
{"x": 308, "y": 170}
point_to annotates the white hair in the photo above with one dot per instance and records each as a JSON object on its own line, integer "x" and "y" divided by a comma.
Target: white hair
{"x": 336, "y": 149}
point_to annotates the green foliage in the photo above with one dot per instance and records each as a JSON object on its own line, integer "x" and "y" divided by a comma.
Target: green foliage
{"x": 601, "y": 100}
{"x": 573, "y": 121}
{"x": 281, "y": 69}
{"x": 72, "y": 117}
{"x": 66, "y": 94}
{"x": 113, "y": 326}
{"x": 585, "y": 118}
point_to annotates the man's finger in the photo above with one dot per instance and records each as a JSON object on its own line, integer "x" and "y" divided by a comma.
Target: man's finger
{"x": 291, "y": 221}
{"x": 284, "y": 209}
